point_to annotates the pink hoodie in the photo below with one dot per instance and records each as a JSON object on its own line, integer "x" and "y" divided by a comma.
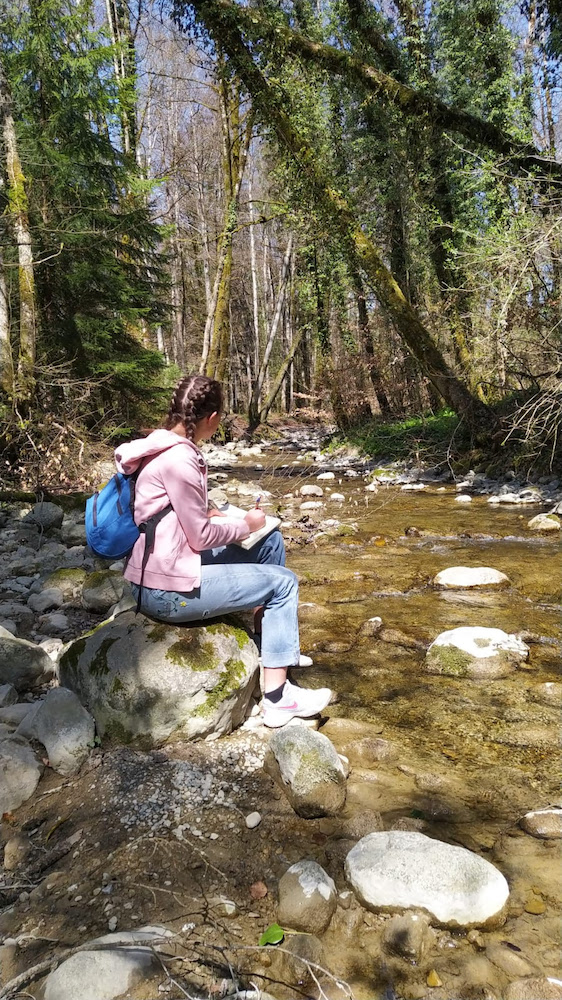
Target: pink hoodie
{"x": 173, "y": 471}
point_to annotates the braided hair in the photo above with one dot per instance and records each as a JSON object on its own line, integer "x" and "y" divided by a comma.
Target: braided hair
{"x": 195, "y": 397}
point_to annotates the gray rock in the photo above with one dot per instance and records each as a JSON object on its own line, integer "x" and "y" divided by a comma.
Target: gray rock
{"x": 539, "y": 988}
{"x": 475, "y": 652}
{"x": 64, "y": 727}
{"x": 102, "y": 589}
{"x": 8, "y": 695}
{"x": 19, "y": 774}
{"x": 311, "y": 505}
{"x": 306, "y": 765}
{"x": 54, "y": 622}
{"x": 408, "y": 935}
{"x": 9, "y": 626}
{"x": 544, "y": 522}
{"x": 14, "y": 714}
{"x": 146, "y": 682}
{"x": 73, "y": 534}
{"x": 543, "y": 823}
{"x": 100, "y": 975}
{"x": 470, "y": 576}
{"x": 14, "y": 610}
{"x": 51, "y": 597}
{"x": 401, "y": 871}
{"x": 22, "y": 663}
{"x": 46, "y": 515}
{"x": 307, "y": 898}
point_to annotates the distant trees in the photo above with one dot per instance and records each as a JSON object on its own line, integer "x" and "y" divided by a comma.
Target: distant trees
{"x": 338, "y": 203}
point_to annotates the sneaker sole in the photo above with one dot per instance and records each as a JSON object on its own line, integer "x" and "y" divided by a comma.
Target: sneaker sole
{"x": 276, "y": 718}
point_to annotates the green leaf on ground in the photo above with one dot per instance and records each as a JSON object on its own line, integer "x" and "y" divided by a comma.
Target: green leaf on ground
{"x": 273, "y": 935}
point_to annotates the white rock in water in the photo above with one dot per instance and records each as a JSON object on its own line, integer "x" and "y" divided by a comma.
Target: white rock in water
{"x": 326, "y": 475}
{"x": 544, "y": 522}
{"x": 311, "y": 504}
{"x": 543, "y": 823}
{"x": 337, "y": 496}
{"x": 311, "y": 491}
{"x": 470, "y": 576}
{"x": 412, "y": 487}
{"x": 463, "y": 498}
{"x": 474, "y": 651}
{"x": 372, "y": 488}
{"x": 402, "y": 870}
{"x": 253, "y": 820}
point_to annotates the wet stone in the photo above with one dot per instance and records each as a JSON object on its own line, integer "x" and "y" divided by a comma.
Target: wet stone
{"x": 543, "y": 823}
{"x": 408, "y": 935}
{"x": 534, "y": 989}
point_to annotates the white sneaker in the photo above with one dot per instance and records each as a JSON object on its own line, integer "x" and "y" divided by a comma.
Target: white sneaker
{"x": 296, "y": 703}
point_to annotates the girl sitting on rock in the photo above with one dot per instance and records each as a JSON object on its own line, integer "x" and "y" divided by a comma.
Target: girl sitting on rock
{"x": 193, "y": 571}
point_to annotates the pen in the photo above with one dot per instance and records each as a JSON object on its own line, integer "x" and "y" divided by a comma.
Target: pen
{"x": 258, "y": 501}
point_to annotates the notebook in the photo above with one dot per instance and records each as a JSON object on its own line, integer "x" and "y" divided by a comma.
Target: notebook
{"x": 236, "y": 514}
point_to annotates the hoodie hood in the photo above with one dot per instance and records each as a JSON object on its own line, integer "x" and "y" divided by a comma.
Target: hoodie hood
{"x": 129, "y": 456}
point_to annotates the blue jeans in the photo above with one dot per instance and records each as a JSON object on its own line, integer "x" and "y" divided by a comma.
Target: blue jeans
{"x": 255, "y": 576}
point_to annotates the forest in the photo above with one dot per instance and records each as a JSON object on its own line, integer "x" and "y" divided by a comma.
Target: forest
{"x": 346, "y": 210}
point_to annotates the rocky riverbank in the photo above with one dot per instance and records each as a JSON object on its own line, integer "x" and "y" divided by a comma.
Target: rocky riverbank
{"x": 184, "y": 853}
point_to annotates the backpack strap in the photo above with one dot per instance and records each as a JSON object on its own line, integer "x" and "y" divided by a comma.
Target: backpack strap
{"x": 148, "y": 529}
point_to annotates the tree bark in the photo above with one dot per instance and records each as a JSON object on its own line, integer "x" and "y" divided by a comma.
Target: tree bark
{"x": 270, "y": 105}
{"x": 17, "y": 212}
{"x": 256, "y": 393}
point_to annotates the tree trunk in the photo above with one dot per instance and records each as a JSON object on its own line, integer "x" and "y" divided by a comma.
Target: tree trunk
{"x": 285, "y": 271}
{"x": 6, "y": 360}
{"x": 368, "y": 348}
{"x": 416, "y": 337}
{"x": 17, "y": 212}
{"x": 125, "y": 68}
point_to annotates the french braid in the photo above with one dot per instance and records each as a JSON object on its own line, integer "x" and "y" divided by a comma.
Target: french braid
{"x": 195, "y": 397}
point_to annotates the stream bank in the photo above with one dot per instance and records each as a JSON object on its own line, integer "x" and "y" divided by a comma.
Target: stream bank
{"x": 457, "y": 759}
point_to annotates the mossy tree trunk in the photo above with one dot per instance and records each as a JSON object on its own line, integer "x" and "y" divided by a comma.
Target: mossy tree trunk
{"x": 23, "y": 380}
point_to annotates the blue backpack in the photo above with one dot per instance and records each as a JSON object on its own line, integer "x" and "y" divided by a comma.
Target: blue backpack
{"x": 111, "y": 530}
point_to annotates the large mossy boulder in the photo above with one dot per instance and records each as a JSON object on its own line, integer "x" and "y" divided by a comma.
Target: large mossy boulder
{"x": 147, "y": 683}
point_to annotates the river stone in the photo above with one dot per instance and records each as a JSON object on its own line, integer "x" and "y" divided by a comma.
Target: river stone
{"x": 8, "y": 695}
{"x": 19, "y": 774}
{"x": 100, "y": 975}
{"x": 46, "y": 515}
{"x": 326, "y": 475}
{"x": 307, "y": 898}
{"x": 290, "y": 968}
{"x": 539, "y": 988}
{"x": 311, "y": 491}
{"x": 470, "y": 576}
{"x": 13, "y": 715}
{"x": 147, "y": 682}
{"x": 463, "y": 498}
{"x": 64, "y": 727}
{"x": 49, "y": 598}
{"x": 544, "y": 522}
{"x": 305, "y": 764}
{"x": 311, "y": 504}
{"x": 473, "y": 651}
{"x": 404, "y": 871}
{"x": 74, "y": 534}
{"x": 543, "y": 823}
{"x": 68, "y": 581}
{"x": 102, "y": 589}
{"x": 408, "y": 935}
{"x": 22, "y": 663}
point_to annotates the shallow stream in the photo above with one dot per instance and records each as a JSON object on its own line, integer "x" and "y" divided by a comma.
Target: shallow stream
{"x": 460, "y": 759}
